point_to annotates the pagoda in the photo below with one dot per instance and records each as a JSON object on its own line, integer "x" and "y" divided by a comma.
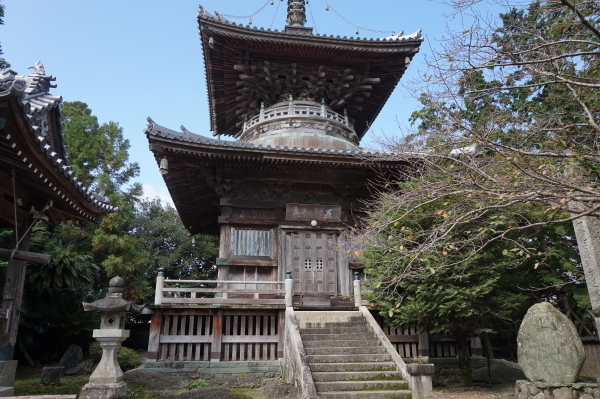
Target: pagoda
{"x": 284, "y": 192}
{"x": 298, "y": 105}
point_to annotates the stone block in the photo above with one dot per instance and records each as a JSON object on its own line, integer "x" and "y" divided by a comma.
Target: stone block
{"x": 51, "y": 375}
{"x": 104, "y": 391}
{"x": 539, "y": 396}
{"x": 8, "y": 369}
{"x": 420, "y": 369}
{"x": 72, "y": 357}
{"x": 84, "y": 367}
{"x": 6, "y": 391}
{"x": 586, "y": 396}
{"x": 563, "y": 393}
{"x": 549, "y": 348}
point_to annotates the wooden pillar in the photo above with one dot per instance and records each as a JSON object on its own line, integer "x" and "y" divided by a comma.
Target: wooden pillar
{"x": 154, "y": 340}
{"x": 423, "y": 343}
{"x": 217, "y": 336}
{"x": 281, "y": 334}
{"x": 13, "y": 295}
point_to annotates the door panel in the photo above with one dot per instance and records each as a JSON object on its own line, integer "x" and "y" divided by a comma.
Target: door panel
{"x": 312, "y": 258}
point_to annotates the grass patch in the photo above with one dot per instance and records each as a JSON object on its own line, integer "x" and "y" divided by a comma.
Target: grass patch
{"x": 70, "y": 385}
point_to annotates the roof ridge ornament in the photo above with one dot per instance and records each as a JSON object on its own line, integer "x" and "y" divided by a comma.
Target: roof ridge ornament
{"x": 38, "y": 68}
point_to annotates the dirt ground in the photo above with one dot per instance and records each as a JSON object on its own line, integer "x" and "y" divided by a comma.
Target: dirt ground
{"x": 260, "y": 386}
{"x": 500, "y": 391}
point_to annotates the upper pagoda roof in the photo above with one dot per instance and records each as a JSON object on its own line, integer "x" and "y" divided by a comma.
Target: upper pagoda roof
{"x": 33, "y": 146}
{"x": 246, "y": 66}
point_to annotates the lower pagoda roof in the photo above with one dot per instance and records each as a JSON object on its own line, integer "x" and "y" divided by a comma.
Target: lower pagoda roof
{"x": 200, "y": 169}
{"x": 33, "y": 146}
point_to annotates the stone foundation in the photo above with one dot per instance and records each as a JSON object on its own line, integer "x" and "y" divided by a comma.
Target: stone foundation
{"x": 104, "y": 391}
{"x": 545, "y": 390}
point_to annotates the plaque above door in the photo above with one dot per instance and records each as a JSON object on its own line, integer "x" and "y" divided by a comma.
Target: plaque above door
{"x": 309, "y": 212}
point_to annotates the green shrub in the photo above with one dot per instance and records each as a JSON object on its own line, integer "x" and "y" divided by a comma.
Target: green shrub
{"x": 128, "y": 359}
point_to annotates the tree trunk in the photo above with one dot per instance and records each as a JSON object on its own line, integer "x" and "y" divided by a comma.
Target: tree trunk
{"x": 487, "y": 345}
{"x": 464, "y": 362}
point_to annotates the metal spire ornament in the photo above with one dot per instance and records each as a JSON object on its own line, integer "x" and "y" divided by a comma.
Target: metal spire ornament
{"x": 296, "y": 13}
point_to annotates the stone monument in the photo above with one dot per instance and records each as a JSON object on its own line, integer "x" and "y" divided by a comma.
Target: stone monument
{"x": 551, "y": 355}
{"x": 106, "y": 382}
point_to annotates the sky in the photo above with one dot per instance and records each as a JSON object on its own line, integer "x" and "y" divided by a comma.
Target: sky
{"x": 130, "y": 59}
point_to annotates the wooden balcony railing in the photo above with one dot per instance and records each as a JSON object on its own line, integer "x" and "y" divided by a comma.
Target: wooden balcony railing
{"x": 252, "y": 293}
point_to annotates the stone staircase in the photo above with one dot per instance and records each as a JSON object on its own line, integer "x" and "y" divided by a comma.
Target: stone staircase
{"x": 346, "y": 359}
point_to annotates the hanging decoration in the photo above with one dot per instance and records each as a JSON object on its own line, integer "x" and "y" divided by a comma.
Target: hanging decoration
{"x": 312, "y": 17}
{"x": 275, "y": 16}
{"x": 328, "y": 6}
{"x": 248, "y": 16}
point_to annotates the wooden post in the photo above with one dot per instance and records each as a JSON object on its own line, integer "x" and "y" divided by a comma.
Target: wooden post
{"x": 357, "y": 291}
{"x": 289, "y": 289}
{"x": 423, "y": 342}
{"x": 13, "y": 295}
{"x": 160, "y": 284}
{"x": 154, "y": 340}
{"x": 281, "y": 334}
{"x": 217, "y": 336}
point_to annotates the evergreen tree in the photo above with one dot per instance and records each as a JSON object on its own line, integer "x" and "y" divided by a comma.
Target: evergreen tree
{"x": 3, "y": 63}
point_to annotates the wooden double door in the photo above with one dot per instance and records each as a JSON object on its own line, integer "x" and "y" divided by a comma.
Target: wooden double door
{"x": 312, "y": 257}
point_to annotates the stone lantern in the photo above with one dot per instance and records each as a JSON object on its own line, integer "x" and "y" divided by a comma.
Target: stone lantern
{"x": 106, "y": 382}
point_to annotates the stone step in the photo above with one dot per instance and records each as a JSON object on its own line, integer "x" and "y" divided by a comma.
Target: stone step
{"x": 331, "y": 324}
{"x": 336, "y": 386}
{"x": 357, "y": 376}
{"x": 363, "y": 350}
{"x": 335, "y": 330}
{"x": 341, "y": 343}
{"x": 369, "y": 337}
{"x": 403, "y": 394}
{"x": 348, "y": 358}
{"x": 346, "y": 367}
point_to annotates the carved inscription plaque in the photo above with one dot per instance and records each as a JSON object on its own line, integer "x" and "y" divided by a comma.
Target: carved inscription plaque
{"x": 308, "y": 212}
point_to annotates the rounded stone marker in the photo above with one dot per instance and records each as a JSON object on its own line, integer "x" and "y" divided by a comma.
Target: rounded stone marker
{"x": 548, "y": 346}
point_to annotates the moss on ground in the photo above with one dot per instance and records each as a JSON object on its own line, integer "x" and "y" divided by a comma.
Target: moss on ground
{"x": 69, "y": 385}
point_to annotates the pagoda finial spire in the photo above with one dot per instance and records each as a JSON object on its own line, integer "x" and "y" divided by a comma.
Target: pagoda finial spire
{"x": 296, "y": 12}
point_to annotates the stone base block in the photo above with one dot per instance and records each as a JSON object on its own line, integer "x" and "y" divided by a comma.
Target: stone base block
{"x": 6, "y": 391}
{"x": 104, "y": 391}
{"x": 51, "y": 375}
{"x": 250, "y": 367}
{"x": 8, "y": 369}
{"x": 545, "y": 390}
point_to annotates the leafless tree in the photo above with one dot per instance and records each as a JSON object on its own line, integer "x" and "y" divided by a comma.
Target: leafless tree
{"x": 506, "y": 142}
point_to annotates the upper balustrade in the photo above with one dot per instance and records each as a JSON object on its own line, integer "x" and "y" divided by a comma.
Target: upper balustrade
{"x": 300, "y": 124}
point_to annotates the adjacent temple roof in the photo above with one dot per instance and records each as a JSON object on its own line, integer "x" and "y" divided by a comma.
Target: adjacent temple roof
{"x": 249, "y": 66}
{"x": 32, "y": 144}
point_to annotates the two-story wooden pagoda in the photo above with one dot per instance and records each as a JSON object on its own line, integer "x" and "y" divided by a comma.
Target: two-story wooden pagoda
{"x": 283, "y": 194}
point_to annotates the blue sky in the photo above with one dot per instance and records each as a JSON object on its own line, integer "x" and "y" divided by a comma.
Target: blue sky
{"x": 130, "y": 59}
